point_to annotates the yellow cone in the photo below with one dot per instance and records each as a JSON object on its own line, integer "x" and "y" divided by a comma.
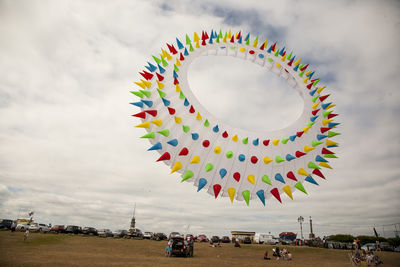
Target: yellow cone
{"x": 177, "y": 167}
{"x": 297, "y": 62}
{"x": 178, "y": 63}
{"x": 196, "y": 37}
{"x": 325, "y": 122}
{"x": 229, "y": 34}
{"x": 177, "y": 88}
{"x": 330, "y": 106}
{"x": 287, "y": 190}
{"x": 308, "y": 149}
{"x": 195, "y": 159}
{"x": 197, "y": 45}
{"x": 157, "y": 122}
{"x": 305, "y": 129}
{"x": 235, "y": 138}
{"x": 146, "y": 83}
{"x": 275, "y": 142}
{"x": 231, "y": 193}
{"x": 217, "y": 150}
{"x": 198, "y": 117}
{"x": 324, "y": 164}
{"x": 302, "y": 172}
{"x": 314, "y": 106}
{"x": 267, "y": 160}
{"x": 319, "y": 90}
{"x": 145, "y": 124}
{"x": 251, "y": 178}
{"x": 141, "y": 84}
{"x": 160, "y": 85}
{"x": 178, "y": 120}
{"x": 305, "y": 80}
{"x": 331, "y": 143}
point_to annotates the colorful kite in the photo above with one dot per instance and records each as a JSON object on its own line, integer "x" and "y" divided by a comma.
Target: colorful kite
{"x": 218, "y": 158}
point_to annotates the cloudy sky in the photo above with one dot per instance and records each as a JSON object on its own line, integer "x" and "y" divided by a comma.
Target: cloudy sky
{"x": 70, "y": 152}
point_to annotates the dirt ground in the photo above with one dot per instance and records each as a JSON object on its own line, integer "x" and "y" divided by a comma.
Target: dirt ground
{"x": 66, "y": 250}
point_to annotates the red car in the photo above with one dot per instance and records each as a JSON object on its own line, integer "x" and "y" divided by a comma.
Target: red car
{"x": 202, "y": 238}
{"x": 58, "y": 229}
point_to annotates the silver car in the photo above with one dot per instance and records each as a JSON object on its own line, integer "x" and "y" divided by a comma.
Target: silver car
{"x": 39, "y": 227}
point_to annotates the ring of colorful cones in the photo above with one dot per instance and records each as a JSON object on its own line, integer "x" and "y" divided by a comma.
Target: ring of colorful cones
{"x": 218, "y": 158}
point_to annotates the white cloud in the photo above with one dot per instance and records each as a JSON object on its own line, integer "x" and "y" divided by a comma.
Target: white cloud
{"x": 68, "y": 149}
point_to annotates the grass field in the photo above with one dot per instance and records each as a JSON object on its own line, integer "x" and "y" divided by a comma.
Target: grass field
{"x": 66, "y": 250}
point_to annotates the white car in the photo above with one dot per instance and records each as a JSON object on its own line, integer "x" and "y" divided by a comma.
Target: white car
{"x": 39, "y": 227}
{"x": 22, "y": 226}
{"x": 369, "y": 247}
{"x": 147, "y": 235}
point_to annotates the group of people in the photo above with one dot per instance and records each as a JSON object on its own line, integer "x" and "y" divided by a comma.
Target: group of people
{"x": 283, "y": 254}
{"x": 215, "y": 244}
{"x": 368, "y": 257}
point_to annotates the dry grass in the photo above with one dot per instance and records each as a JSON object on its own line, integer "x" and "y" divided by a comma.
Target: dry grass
{"x": 64, "y": 250}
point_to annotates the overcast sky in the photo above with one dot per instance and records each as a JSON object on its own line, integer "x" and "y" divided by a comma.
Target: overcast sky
{"x": 70, "y": 152}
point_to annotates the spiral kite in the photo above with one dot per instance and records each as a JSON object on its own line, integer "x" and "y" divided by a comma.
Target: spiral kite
{"x": 227, "y": 161}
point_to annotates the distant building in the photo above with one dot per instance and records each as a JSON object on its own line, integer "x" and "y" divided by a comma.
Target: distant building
{"x": 287, "y": 236}
{"x": 240, "y": 235}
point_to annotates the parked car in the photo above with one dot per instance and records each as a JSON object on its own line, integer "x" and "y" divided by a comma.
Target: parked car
{"x": 58, "y": 229}
{"x": 179, "y": 246}
{"x": 174, "y": 234}
{"x": 39, "y": 227}
{"x": 225, "y": 239}
{"x": 5, "y": 223}
{"x": 159, "y": 236}
{"x": 215, "y": 239}
{"x": 147, "y": 235}
{"x": 105, "y": 233}
{"x": 89, "y": 231}
{"x": 202, "y": 238}
{"x": 247, "y": 240}
{"x": 73, "y": 229}
{"x": 269, "y": 239}
{"x": 120, "y": 233}
{"x": 135, "y": 233}
{"x": 22, "y": 226}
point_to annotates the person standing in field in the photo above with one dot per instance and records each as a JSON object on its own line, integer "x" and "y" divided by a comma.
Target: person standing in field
{"x": 26, "y": 234}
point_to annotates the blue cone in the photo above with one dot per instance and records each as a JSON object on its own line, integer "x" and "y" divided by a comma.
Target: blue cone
{"x": 186, "y": 53}
{"x": 324, "y": 106}
{"x": 162, "y": 70}
{"x": 314, "y": 118}
{"x": 321, "y": 136}
{"x": 151, "y": 67}
{"x": 279, "y": 178}
{"x": 256, "y": 142}
{"x": 186, "y": 102}
{"x": 310, "y": 75}
{"x": 261, "y": 196}
{"x": 310, "y": 180}
{"x": 138, "y": 104}
{"x": 148, "y": 103}
{"x": 292, "y": 137}
{"x": 195, "y": 136}
{"x": 281, "y": 52}
{"x": 289, "y": 157}
{"x": 313, "y": 92}
{"x": 173, "y": 142}
{"x": 216, "y": 129}
{"x": 222, "y": 172}
{"x": 202, "y": 183}
{"x": 333, "y": 124}
{"x": 175, "y": 75}
{"x": 180, "y": 45}
{"x": 166, "y": 102}
{"x": 156, "y": 146}
{"x": 318, "y": 158}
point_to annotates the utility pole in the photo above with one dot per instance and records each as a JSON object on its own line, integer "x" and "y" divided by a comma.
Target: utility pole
{"x": 301, "y": 220}
{"x": 312, "y": 236}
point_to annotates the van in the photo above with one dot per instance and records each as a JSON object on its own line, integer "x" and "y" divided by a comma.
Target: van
{"x": 265, "y": 239}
